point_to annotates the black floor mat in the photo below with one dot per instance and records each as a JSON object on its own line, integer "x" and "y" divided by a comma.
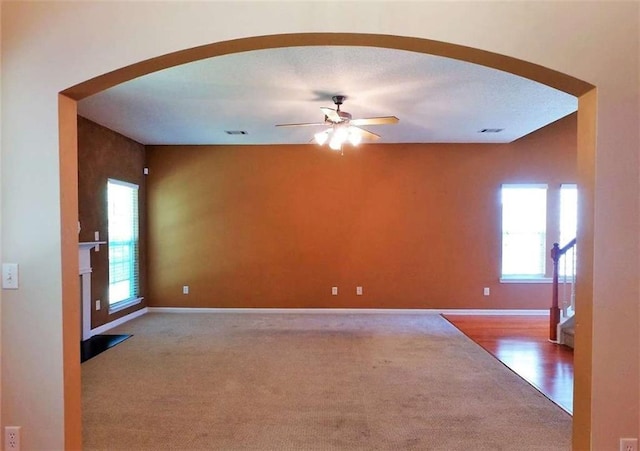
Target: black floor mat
{"x": 97, "y": 344}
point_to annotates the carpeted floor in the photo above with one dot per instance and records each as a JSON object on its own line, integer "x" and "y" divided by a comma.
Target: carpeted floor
{"x": 327, "y": 381}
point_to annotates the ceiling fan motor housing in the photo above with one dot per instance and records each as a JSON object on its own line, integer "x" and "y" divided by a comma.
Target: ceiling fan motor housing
{"x": 339, "y": 100}
{"x": 344, "y": 115}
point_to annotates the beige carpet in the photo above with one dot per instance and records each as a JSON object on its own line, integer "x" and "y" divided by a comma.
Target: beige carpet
{"x": 324, "y": 381}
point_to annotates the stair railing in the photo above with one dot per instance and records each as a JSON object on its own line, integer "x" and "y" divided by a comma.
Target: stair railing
{"x": 554, "y": 313}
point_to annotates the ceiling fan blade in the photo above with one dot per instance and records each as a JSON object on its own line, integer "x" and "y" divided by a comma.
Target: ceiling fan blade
{"x": 331, "y": 114}
{"x": 375, "y": 120}
{"x": 366, "y": 134}
{"x": 303, "y": 124}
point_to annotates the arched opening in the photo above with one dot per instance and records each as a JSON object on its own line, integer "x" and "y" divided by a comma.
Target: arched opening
{"x": 68, "y": 174}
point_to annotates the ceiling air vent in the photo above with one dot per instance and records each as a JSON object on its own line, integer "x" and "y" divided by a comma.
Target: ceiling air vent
{"x": 490, "y": 130}
{"x": 235, "y": 132}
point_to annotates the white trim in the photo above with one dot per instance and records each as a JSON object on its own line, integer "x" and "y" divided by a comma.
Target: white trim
{"x": 123, "y": 183}
{"x": 117, "y": 322}
{"x": 500, "y": 312}
{"x": 84, "y": 267}
{"x": 85, "y": 284}
{"x": 124, "y": 304}
{"x": 526, "y": 280}
{"x": 525, "y": 185}
{"x": 349, "y": 311}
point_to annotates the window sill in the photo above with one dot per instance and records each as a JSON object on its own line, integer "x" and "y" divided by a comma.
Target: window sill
{"x": 124, "y": 305}
{"x": 526, "y": 280}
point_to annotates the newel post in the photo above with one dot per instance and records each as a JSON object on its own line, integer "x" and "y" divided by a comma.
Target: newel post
{"x": 554, "y": 311}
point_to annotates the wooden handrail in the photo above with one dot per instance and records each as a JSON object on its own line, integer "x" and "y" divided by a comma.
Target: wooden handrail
{"x": 557, "y": 252}
{"x": 554, "y": 311}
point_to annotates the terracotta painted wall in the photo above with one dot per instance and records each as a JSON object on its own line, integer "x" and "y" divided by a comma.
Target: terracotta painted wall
{"x": 104, "y": 154}
{"x": 418, "y": 226}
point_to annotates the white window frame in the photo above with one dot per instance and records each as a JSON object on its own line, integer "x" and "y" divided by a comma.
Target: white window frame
{"x": 524, "y": 278}
{"x": 568, "y": 261}
{"x": 564, "y": 240}
{"x": 134, "y": 298}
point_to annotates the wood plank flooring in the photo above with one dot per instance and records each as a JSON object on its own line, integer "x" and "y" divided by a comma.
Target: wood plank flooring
{"x": 521, "y": 343}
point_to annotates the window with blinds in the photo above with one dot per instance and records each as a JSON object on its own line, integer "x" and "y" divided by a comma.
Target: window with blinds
{"x": 568, "y": 226}
{"x": 524, "y": 227}
{"x": 122, "y": 200}
{"x": 568, "y": 213}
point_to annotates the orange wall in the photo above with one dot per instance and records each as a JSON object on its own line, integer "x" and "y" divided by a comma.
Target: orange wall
{"x": 418, "y": 226}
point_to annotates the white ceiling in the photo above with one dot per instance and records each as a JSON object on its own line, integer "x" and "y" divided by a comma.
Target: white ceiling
{"x": 436, "y": 99}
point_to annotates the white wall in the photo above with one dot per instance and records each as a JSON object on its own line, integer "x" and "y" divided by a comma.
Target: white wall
{"x": 50, "y": 46}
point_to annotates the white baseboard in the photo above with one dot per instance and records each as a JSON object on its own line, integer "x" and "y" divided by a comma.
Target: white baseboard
{"x": 500, "y": 312}
{"x": 349, "y": 311}
{"x": 105, "y": 327}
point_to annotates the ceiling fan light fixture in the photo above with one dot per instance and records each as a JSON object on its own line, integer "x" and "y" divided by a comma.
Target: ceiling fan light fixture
{"x": 342, "y": 127}
{"x": 355, "y": 137}
{"x": 340, "y": 132}
{"x": 321, "y": 137}
{"x": 336, "y": 142}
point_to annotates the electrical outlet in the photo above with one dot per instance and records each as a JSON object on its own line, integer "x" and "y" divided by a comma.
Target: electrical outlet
{"x": 12, "y": 438}
{"x": 10, "y": 276}
{"x": 628, "y": 444}
{"x": 334, "y": 291}
{"x": 98, "y": 304}
{"x": 185, "y": 289}
{"x": 359, "y": 291}
{"x": 486, "y": 291}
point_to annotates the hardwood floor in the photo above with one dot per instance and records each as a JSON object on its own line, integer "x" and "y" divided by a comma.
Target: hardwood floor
{"x": 522, "y": 344}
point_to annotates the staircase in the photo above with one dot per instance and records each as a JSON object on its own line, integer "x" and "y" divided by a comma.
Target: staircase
{"x": 567, "y": 332}
{"x": 561, "y": 318}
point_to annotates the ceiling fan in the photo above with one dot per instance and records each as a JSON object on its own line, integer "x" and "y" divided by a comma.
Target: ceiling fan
{"x": 342, "y": 127}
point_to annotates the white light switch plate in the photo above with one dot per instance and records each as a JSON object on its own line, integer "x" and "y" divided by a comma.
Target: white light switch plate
{"x": 10, "y": 276}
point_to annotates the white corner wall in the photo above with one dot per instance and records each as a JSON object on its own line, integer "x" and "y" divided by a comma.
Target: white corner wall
{"x": 50, "y": 46}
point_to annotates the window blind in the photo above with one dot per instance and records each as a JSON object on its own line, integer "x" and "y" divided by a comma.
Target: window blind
{"x": 524, "y": 225}
{"x": 122, "y": 200}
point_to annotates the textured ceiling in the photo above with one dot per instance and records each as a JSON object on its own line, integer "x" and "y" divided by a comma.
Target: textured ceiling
{"x": 436, "y": 99}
